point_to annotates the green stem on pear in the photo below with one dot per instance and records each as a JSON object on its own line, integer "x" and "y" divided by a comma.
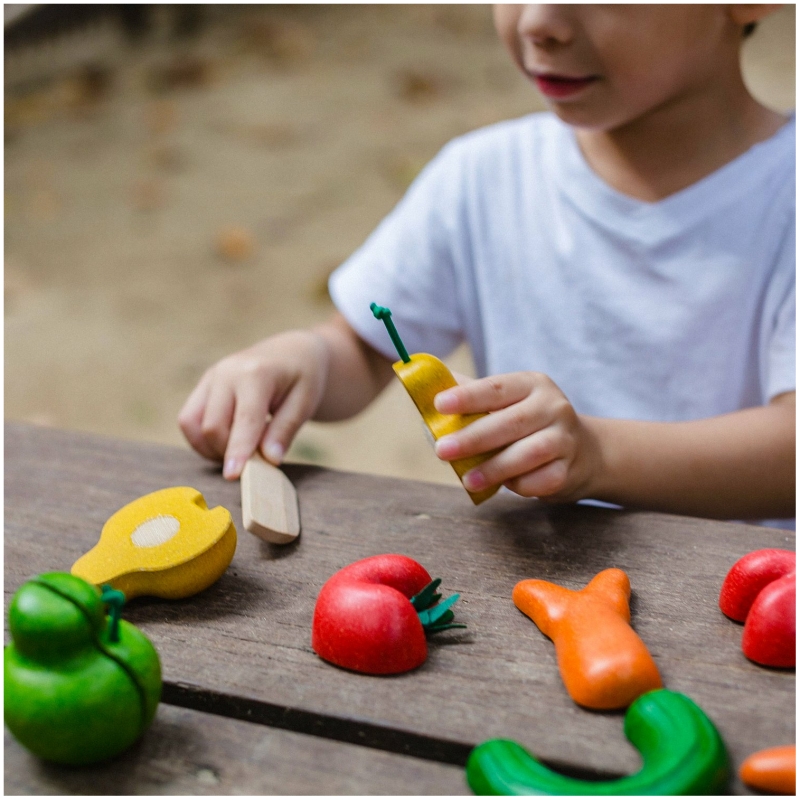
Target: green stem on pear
{"x": 379, "y": 312}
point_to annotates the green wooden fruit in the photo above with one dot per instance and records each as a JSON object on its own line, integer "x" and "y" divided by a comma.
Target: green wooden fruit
{"x": 681, "y": 749}
{"x": 78, "y": 688}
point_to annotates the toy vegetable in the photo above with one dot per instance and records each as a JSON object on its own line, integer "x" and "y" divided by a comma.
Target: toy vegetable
{"x": 79, "y": 688}
{"x": 681, "y": 749}
{"x": 771, "y": 770}
{"x": 165, "y": 544}
{"x": 372, "y": 616}
{"x": 423, "y": 377}
{"x": 760, "y": 590}
{"x": 602, "y": 661}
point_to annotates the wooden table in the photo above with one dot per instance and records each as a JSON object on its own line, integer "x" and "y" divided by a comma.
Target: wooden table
{"x": 247, "y": 706}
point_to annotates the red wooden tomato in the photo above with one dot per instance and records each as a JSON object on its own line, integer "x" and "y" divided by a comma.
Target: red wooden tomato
{"x": 364, "y": 619}
{"x": 759, "y": 590}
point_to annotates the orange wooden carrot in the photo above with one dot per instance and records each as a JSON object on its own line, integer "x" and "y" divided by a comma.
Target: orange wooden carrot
{"x": 771, "y": 770}
{"x": 603, "y": 663}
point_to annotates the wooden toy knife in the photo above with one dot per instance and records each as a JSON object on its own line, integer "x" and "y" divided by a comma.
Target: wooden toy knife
{"x": 269, "y": 502}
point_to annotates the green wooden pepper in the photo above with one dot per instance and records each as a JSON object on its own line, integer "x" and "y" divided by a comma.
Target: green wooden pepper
{"x": 78, "y": 688}
{"x": 681, "y": 749}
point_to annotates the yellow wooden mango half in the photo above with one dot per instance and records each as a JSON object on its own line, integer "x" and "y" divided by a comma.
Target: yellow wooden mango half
{"x": 424, "y": 376}
{"x": 165, "y": 544}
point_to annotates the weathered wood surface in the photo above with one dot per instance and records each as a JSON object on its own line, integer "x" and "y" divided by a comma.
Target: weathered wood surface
{"x": 244, "y": 644}
{"x": 191, "y": 753}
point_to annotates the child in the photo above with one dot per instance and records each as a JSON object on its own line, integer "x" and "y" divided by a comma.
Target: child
{"x": 622, "y": 268}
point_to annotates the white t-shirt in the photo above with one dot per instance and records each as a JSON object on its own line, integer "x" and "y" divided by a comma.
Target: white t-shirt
{"x": 675, "y": 310}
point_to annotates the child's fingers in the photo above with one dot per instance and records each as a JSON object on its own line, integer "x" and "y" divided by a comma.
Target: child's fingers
{"x": 249, "y": 421}
{"x": 485, "y": 394}
{"x": 495, "y": 430}
{"x": 543, "y": 482}
{"x": 528, "y": 454}
{"x": 295, "y": 409}
{"x": 190, "y": 418}
{"x": 217, "y": 418}
{"x": 461, "y": 379}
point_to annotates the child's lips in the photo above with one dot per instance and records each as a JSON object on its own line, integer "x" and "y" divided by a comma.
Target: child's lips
{"x": 561, "y": 86}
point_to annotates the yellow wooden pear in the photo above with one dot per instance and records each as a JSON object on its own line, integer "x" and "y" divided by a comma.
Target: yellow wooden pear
{"x": 165, "y": 544}
{"x": 423, "y": 377}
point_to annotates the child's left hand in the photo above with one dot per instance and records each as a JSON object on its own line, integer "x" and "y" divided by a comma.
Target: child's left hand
{"x": 548, "y": 450}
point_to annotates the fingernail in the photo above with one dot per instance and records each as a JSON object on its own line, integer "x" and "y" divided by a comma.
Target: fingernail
{"x": 446, "y": 447}
{"x": 274, "y": 453}
{"x": 232, "y": 468}
{"x": 474, "y": 480}
{"x": 445, "y": 402}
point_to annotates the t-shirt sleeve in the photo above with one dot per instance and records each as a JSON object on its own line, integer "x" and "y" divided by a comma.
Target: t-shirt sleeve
{"x": 407, "y": 265}
{"x": 781, "y": 355}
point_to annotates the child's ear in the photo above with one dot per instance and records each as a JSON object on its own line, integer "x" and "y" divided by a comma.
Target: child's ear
{"x": 748, "y": 13}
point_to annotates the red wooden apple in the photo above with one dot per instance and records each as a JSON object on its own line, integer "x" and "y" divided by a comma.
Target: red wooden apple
{"x": 372, "y": 615}
{"x": 770, "y": 627}
{"x": 760, "y": 591}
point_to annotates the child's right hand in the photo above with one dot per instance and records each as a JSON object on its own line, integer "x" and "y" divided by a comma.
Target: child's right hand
{"x": 256, "y": 399}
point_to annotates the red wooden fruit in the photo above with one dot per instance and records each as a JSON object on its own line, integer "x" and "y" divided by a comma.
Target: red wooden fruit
{"x": 760, "y": 591}
{"x": 748, "y": 576}
{"x": 769, "y": 631}
{"x": 364, "y": 620}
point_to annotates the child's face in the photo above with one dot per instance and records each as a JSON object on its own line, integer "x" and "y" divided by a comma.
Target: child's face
{"x": 603, "y": 66}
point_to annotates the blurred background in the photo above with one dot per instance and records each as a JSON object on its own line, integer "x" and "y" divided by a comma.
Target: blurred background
{"x": 180, "y": 181}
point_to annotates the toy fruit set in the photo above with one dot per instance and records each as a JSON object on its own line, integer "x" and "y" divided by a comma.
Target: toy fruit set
{"x": 604, "y": 666}
{"x": 760, "y": 591}
{"x": 372, "y": 616}
{"x": 80, "y": 687}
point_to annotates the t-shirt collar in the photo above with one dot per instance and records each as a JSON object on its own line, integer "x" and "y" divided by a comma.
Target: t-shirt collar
{"x": 595, "y": 197}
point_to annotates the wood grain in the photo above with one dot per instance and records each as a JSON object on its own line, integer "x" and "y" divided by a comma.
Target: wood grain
{"x": 192, "y": 753}
{"x": 248, "y": 636}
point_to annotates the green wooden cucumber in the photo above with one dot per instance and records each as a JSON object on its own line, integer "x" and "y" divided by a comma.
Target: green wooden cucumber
{"x": 77, "y": 689}
{"x": 681, "y": 749}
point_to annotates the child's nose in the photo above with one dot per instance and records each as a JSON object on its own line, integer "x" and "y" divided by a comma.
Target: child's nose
{"x": 546, "y": 23}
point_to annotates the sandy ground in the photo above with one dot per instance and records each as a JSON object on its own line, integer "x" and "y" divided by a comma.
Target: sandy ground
{"x": 171, "y": 202}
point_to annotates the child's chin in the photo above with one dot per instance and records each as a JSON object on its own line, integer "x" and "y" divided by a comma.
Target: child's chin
{"x": 585, "y": 119}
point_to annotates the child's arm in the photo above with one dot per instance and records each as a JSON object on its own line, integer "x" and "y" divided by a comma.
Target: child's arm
{"x": 327, "y": 373}
{"x": 738, "y": 465}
